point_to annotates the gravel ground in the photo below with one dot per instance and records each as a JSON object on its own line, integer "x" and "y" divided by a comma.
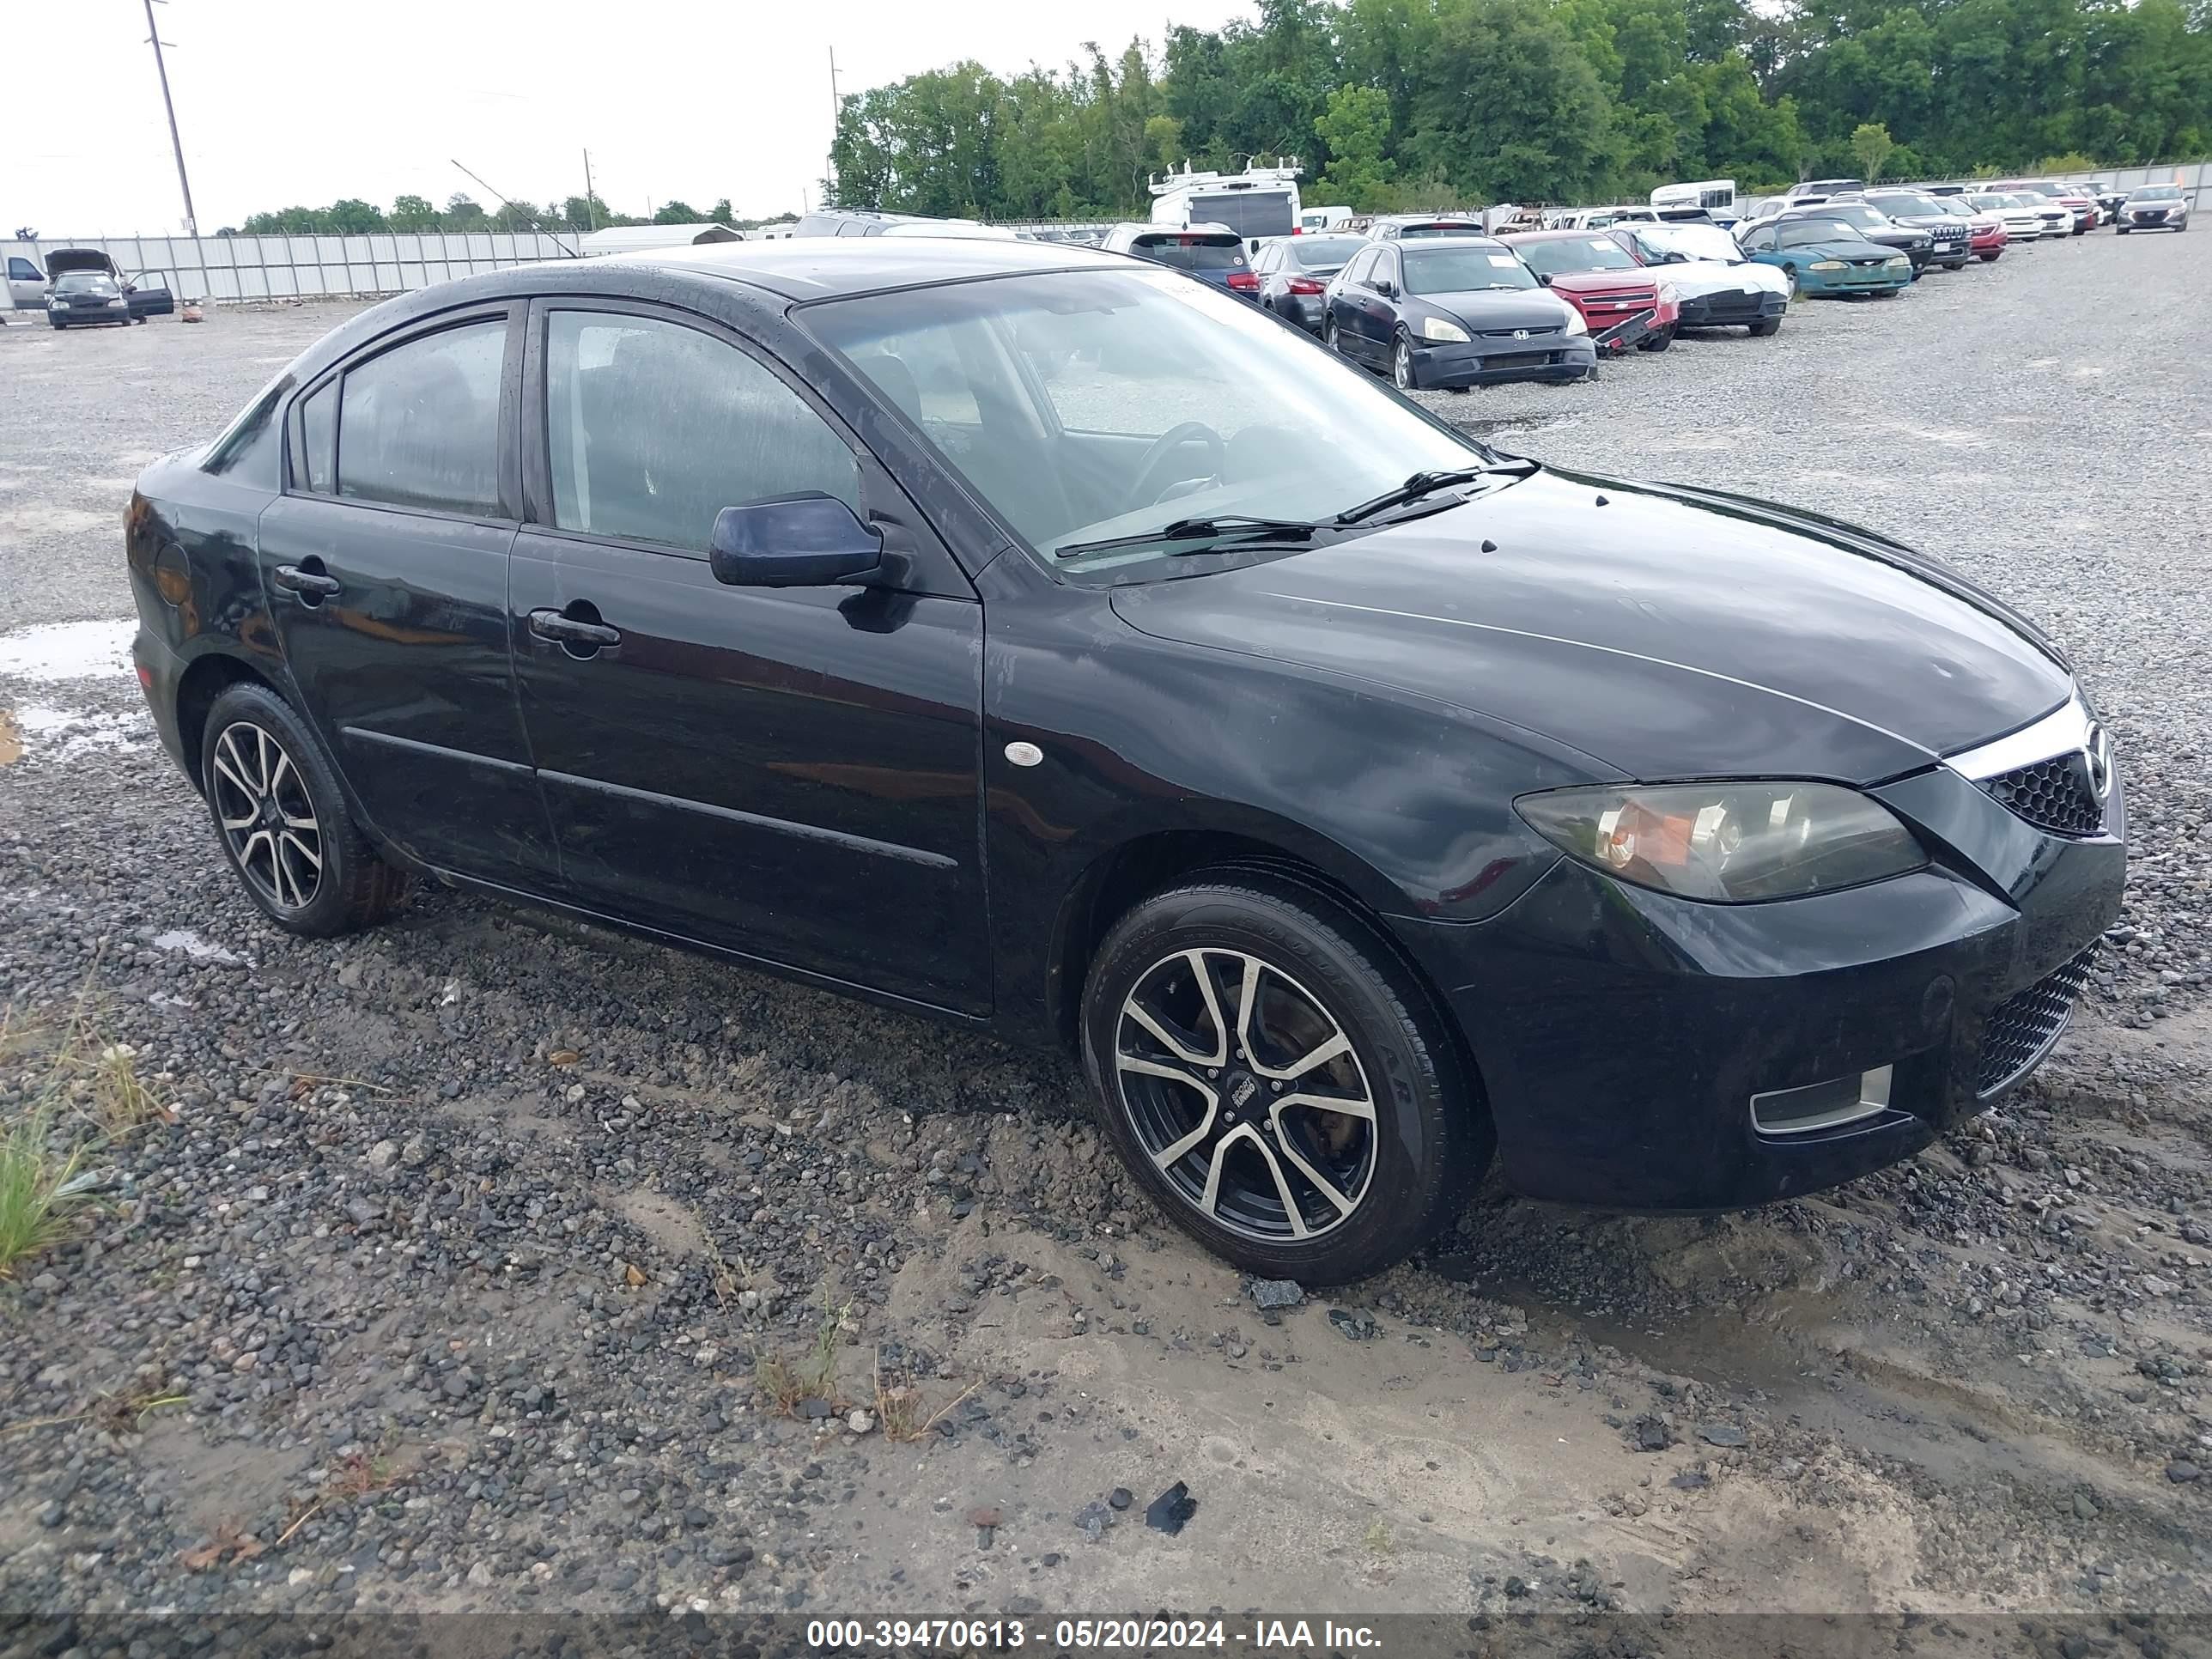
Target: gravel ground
{"x": 490, "y": 1263}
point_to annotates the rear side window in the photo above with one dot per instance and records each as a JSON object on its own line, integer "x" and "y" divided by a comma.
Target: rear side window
{"x": 319, "y": 441}
{"x": 1193, "y": 252}
{"x": 419, "y": 424}
{"x": 652, "y": 429}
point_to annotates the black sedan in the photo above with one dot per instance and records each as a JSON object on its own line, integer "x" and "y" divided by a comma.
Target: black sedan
{"x": 1294, "y": 273}
{"x": 83, "y": 297}
{"x": 2154, "y": 207}
{"x": 1049, "y": 644}
{"x": 1454, "y": 313}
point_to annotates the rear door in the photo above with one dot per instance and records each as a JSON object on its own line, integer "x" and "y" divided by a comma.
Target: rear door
{"x": 788, "y": 773}
{"x": 385, "y": 564}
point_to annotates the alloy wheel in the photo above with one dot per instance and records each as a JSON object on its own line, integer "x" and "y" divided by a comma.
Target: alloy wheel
{"x": 1401, "y": 366}
{"x": 1243, "y": 1090}
{"x": 261, "y": 802}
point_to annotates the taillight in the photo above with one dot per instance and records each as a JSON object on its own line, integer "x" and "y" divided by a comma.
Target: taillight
{"x": 1243, "y": 281}
{"x": 1305, "y": 285}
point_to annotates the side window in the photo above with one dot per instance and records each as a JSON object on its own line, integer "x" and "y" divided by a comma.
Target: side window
{"x": 21, "y": 270}
{"x": 1361, "y": 264}
{"x": 316, "y": 471}
{"x": 1386, "y": 268}
{"x": 652, "y": 429}
{"x": 419, "y": 424}
{"x": 1760, "y": 241}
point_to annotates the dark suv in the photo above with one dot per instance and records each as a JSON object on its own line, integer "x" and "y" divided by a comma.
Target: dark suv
{"x": 1950, "y": 236}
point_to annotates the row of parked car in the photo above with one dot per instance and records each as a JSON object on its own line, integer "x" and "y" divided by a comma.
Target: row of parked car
{"x": 1450, "y": 301}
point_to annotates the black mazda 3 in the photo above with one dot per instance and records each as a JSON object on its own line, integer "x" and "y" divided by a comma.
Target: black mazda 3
{"x": 1045, "y": 642}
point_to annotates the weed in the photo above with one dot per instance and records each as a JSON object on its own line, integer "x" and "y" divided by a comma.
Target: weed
{"x": 123, "y": 1412}
{"x": 901, "y": 1410}
{"x": 1379, "y": 1541}
{"x": 42, "y": 1187}
{"x": 812, "y": 1375}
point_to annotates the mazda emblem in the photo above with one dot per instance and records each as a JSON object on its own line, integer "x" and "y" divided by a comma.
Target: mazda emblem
{"x": 2097, "y": 750}
{"x": 1520, "y": 333}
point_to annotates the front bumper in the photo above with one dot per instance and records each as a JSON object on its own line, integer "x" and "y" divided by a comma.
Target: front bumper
{"x": 1621, "y": 1033}
{"x": 2150, "y": 221}
{"x": 1732, "y": 308}
{"x": 72, "y": 315}
{"x": 1876, "y": 280}
{"x": 1493, "y": 362}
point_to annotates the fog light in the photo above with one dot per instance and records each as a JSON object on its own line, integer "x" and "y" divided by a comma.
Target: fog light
{"x": 1827, "y": 1105}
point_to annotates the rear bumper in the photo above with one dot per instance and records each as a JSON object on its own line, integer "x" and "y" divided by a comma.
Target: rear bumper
{"x": 1621, "y": 1035}
{"x": 1306, "y": 314}
{"x": 1493, "y": 362}
{"x": 160, "y": 669}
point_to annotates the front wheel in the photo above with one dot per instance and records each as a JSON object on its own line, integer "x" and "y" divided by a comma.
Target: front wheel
{"x": 1330, "y": 339}
{"x": 1766, "y": 325}
{"x": 1277, "y": 1081}
{"x": 1402, "y": 372}
{"x": 2119, "y": 230}
{"x": 1658, "y": 342}
{"x": 283, "y": 823}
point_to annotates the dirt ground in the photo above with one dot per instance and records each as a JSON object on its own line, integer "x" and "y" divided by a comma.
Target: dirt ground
{"x": 492, "y": 1263}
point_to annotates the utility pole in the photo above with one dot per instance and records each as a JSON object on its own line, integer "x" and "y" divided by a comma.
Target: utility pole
{"x": 154, "y": 34}
{"x": 591, "y": 206}
{"x": 830, "y": 166}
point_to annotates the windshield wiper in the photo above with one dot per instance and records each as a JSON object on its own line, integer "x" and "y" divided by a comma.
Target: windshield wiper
{"x": 1242, "y": 525}
{"x": 1427, "y": 483}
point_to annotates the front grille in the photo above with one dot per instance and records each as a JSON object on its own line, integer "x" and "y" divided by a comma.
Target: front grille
{"x": 1520, "y": 360}
{"x": 1506, "y": 333}
{"x": 1737, "y": 302}
{"x": 2055, "y": 795}
{"x": 2022, "y": 1028}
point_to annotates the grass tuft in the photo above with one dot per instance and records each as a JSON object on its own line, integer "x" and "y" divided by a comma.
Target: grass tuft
{"x": 43, "y": 1186}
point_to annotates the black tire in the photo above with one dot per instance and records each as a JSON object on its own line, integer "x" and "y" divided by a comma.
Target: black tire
{"x": 1326, "y": 974}
{"x": 58, "y": 323}
{"x": 300, "y": 856}
{"x": 1405, "y": 374}
{"x": 1766, "y": 325}
{"x": 2120, "y": 230}
{"x": 1658, "y": 342}
{"x": 1990, "y": 258}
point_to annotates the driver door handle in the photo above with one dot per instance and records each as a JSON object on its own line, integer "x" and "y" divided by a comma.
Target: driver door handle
{"x": 552, "y": 626}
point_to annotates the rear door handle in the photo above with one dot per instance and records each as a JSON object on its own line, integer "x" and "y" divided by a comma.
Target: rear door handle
{"x": 305, "y": 583}
{"x": 555, "y": 629}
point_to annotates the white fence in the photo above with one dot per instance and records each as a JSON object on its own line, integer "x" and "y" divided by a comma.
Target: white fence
{"x": 227, "y": 269}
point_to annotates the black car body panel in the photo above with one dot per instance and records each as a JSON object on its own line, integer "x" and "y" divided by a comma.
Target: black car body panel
{"x": 1948, "y": 234}
{"x": 817, "y": 781}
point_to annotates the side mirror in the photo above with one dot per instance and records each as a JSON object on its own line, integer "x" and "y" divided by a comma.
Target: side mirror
{"x": 1543, "y": 279}
{"x": 804, "y": 540}
{"x": 1386, "y": 288}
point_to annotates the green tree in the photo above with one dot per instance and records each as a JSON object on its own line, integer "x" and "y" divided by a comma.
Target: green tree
{"x": 412, "y": 213}
{"x": 1355, "y": 127}
{"x": 1871, "y": 145}
{"x": 462, "y": 213}
{"x": 679, "y": 212}
{"x": 722, "y": 213}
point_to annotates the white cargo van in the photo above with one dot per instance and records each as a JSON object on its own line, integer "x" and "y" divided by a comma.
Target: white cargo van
{"x": 1259, "y": 202}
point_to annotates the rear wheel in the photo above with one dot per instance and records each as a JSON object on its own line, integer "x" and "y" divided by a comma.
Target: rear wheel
{"x": 283, "y": 823}
{"x": 1277, "y": 1081}
{"x": 1329, "y": 336}
{"x": 1402, "y": 371}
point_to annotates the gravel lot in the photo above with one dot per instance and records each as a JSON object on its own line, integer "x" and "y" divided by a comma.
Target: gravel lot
{"x": 486, "y": 1260}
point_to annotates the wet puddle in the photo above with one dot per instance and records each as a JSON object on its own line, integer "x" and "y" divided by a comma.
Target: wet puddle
{"x": 51, "y": 652}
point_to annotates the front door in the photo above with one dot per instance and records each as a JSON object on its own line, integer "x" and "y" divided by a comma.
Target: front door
{"x": 792, "y": 773}
{"x": 384, "y": 565}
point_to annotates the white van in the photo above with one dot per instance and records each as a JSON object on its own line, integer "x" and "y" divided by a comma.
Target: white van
{"x": 1257, "y": 202}
{"x": 1715, "y": 196}
{"x": 1320, "y": 222}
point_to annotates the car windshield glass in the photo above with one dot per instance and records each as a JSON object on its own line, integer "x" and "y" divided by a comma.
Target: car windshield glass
{"x": 1570, "y": 253}
{"x": 84, "y": 281}
{"x": 1690, "y": 241}
{"x": 1897, "y": 206}
{"x": 1325, "y": 253}
{"x": 1457, "y": 269}
{"x": 2158, "y": 193}
{"x": 1952, "y": 205}
{"x": 1192, "y": 253}
{"x": 1858, "y": 213}
{"x": 1803, "y": 233}
{"x": 1106, "y": 403}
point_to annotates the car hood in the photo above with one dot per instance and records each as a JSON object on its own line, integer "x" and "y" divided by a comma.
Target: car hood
{"x": 63, "y": 260}
{"x": 1603, "y": 282}
{"x": 1658, "y": 631}
{"x": 1839, "y": 250}
{"x": 1486, "y": 308}
{"x": 1694, "y": 278}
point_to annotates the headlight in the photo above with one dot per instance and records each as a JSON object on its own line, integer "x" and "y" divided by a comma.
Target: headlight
{"x": 1435, "y": 328}
{"x": 1727, "y": 842}
{"x": 1575, "y": 323}
{"x": 117, "y": 305}
{"x": 57, "y": 304}
{"x": 1899, "y": 259}
{"x": 1669, "y": 294}
{"x": 1825, "y": 264}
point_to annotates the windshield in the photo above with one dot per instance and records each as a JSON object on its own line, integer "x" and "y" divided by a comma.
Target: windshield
{"x": 1952, "y": 205}
{"x": 1457, "y": 269}
{"x": 84, "y": 281}
{"x": 1571, "y": 253}
{"x": 1899, "y": 206}
{"x": 1803, "y": 233}
{"x": 1192, "y": 253}
{"x": 1690, "y": 241}
{"x": 1090, "y": 404}
{"x": 2157, "y": 193}
{"x": 1325, "y": 253}
{"x": 1858, "y": 213}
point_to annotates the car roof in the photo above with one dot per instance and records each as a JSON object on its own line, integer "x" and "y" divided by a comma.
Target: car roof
{"x": 823, "y": 267}
{"x": 1514, "y": 238}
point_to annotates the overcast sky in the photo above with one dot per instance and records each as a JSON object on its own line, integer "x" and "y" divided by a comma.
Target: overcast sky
{"x": 300, "y": 102}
